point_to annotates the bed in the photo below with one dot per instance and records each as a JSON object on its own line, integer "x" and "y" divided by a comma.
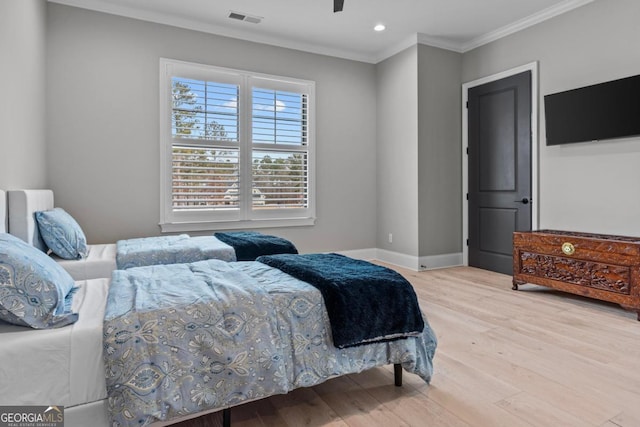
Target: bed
{"x": 61, "y": 366}
{"x": 189, "y": 372}
{"x": 98, "y": 261}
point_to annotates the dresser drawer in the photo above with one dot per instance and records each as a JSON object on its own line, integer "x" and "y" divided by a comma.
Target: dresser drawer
{"x": 612, "y": 278}
{"x": 599, "y": 248}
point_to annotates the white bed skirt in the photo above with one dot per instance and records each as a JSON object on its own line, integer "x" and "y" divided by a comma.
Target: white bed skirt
{"x": 92, "y": 414}
{"x": 96, "y": 414}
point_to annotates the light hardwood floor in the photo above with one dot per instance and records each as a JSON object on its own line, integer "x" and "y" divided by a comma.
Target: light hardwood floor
{"x": 533, "y": 357}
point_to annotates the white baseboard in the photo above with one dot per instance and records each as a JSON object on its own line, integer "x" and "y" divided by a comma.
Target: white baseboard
{"x": 399, "y": 259}
{"x": 407, "y": 261}
{"x": 433, "y": 262}
{"x": 365, "y": 254}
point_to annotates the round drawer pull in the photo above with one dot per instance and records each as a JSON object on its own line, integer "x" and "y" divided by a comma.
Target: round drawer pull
{"x": 568, "y": 248}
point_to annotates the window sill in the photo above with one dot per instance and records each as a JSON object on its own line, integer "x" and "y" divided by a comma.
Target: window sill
{"x": 176, "y": 227}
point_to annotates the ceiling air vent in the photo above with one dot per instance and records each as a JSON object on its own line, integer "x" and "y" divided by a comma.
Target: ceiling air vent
{"x": 244, "y": 17}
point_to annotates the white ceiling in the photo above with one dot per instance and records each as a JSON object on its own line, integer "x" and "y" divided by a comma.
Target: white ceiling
{"x": 311, "y": 25}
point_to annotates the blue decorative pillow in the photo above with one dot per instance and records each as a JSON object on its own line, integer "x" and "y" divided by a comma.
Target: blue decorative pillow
{"x": 62, "y": 234}
{"x": 35, "y": 291}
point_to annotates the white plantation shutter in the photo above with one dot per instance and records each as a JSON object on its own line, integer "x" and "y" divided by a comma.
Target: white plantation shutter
{"x": 279, "y": 117}
{"x": 205, "y": 152}
{"x": 202, "y": 177}
{"x": 236, "y": 149}
{"x": 280, "y": 179}
{"x": 280, "y": 149}
{"x": 204, "y": 110}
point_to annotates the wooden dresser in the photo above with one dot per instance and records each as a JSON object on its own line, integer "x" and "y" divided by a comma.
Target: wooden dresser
{"x": 599, "y": 266}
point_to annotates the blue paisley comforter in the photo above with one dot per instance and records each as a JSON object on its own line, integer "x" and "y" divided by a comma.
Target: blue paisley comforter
{"x": 184, "y": 338}
{"x": 170, "y": 250}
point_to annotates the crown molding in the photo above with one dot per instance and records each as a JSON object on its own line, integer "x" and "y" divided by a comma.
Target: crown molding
{"x": 397, "y": 48}
{"x": 417, "y": 39}
{"x": 190, "y": 24}
{"x": 439, "y": 42}
{"x": 489, "y": 37}
{"x": 160, "y": 18}
{"x": 521, "y": 24}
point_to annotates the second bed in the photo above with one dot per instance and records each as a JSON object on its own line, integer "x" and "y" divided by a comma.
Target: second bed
{"x": 102, "y": 259}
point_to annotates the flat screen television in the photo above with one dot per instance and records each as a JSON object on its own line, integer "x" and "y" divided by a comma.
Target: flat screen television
{"x": 602, "y": 111}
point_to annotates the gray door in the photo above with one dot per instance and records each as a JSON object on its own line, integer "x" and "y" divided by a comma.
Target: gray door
{"x": 499, "y": 120}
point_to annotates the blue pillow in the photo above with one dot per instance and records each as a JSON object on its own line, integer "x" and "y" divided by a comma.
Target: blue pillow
{"x": 35, "y": 291}
{"x": 62, "y": 234}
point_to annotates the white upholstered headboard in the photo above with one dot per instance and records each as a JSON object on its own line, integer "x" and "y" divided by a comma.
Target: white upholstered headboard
{"x": 23, "y": 204}
{"x": 3, "y": 211}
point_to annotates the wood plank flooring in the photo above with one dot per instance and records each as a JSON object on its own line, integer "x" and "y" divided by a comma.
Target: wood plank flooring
{"x": 533, "y": 357}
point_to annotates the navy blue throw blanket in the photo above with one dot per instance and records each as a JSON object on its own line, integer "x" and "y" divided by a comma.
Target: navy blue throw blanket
{"x": 365, "y": 302}
{"x": 250, "y": 244}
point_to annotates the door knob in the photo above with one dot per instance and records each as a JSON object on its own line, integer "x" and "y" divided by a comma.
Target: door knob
{"x": 524, "y": 201}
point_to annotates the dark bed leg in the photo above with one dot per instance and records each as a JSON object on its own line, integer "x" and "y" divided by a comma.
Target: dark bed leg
{"x": 226, "y": 417}
{"x": 397, "y": 374}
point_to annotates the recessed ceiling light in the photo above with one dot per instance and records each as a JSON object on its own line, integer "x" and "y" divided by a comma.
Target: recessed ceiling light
{"x": 379, "y": 27}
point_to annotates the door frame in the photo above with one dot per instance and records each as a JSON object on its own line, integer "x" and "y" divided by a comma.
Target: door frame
{"x": 533, "y": 67}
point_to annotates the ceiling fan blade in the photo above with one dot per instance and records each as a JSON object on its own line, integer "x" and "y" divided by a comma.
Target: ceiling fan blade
{"x": 337, "y": 5}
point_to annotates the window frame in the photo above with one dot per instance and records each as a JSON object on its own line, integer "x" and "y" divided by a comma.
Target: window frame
{"x": 244, "y": 217}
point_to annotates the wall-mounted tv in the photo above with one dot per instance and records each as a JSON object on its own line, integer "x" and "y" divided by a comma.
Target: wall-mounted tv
{"x": 602, "y": 111}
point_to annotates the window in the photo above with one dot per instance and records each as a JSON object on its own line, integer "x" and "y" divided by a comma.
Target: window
{"x": 236, "y": 149}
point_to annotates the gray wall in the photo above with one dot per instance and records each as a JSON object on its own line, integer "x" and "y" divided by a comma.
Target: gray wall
{"x": 439, "y": 151}
{"x": 22, "y": 110}
{"x": 103, "y": 124}
{"x": 590, "y": 186}
{"x": 397, "y": 134}
{"x": 386, "y": 133}
{"x": 419, "y": 146}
